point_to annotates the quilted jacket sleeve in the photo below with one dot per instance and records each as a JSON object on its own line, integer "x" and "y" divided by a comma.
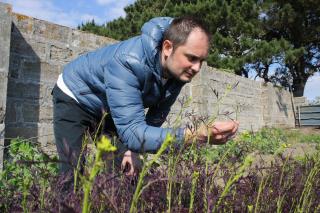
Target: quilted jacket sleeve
{"x": 125, "y": 101}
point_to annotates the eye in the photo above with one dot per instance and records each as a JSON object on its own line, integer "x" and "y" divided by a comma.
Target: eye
{"x": 192, "y": 58}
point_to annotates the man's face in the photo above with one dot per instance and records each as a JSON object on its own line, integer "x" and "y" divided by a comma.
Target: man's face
{"x": 185, "y": 61}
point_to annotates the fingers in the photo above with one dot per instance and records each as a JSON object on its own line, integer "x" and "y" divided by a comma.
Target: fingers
{"x": 131, "y": 171}
{"x": 236, "y": 126}
{"x": 223, "y": 131}
{"x": 130, "y": 164}
{"x": 125, "y": 165}
{"x": 222, "y": 127}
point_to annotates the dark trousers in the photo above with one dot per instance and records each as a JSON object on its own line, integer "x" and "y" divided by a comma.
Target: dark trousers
{"x": 71, "y": 122}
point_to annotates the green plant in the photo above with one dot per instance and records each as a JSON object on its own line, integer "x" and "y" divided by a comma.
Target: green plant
{"x": 103, "y": 145}
{"x": 307, "y": 194}
{"x": 247, "y": 162}
{"x": 25, "y": 165}
{"x": 166, "y": 143}
{"x": 195, "y": 177}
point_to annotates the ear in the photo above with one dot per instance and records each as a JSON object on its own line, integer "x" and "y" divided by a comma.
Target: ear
{"x": 167, "y": 48}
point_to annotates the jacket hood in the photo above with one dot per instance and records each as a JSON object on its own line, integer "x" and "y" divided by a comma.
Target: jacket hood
{"x": 151, "y": 36}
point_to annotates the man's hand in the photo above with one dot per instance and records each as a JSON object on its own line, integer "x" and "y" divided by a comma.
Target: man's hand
{"x": 219, "y": 132}
{"x": 131, "y": 164}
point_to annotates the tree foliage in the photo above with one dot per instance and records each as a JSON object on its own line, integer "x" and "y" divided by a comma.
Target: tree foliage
{"x": 278, "y": 39}
{"x": 297, "y": 22}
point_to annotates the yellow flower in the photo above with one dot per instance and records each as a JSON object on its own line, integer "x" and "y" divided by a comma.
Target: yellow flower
{"x": 104, "y": 144}
{"x": 245, "y": 133}
{"x": 284, "y": 145}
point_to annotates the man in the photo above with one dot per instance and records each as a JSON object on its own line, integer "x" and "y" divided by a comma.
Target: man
{"x": 146, "y": 71}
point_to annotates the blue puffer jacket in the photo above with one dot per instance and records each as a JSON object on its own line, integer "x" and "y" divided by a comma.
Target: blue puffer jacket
{"x": 123, "y": 79}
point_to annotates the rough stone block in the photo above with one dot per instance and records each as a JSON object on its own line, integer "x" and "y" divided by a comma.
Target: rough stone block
{"x": 4, "y": 49}
{"x": 30, "y": 70}
{"x": 23, "y": 23}
{"x": 27, "y": 132}
{"x": 51, "y": 31}
{"x": 46, "y": 114}
{"x": 45, "y": 96}
{"x": 30, "y": 112}
{"x": 15, "y": 66}
{"x": 3, "y": 83}
{"x": 49, "y": 73}
{"x": 84, "y": 40}
{"x": 60, "y": 54}
{"x": 23, "y": 90}
{"x": 29, "y": 48}
{"x": 46, "y": 138}
{"x": 11, "y": 114}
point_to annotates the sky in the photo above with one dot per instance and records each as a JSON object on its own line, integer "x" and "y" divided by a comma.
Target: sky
{"x": 72, "y": 13}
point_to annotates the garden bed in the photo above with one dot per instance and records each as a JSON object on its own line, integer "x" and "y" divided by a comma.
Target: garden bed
{"x": 273, "y": 170}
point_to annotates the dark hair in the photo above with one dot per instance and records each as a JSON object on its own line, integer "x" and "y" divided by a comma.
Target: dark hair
{"x": 181, "y": 27}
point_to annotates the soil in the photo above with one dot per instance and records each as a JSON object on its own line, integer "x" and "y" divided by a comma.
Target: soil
{"x": 307, "y": 130}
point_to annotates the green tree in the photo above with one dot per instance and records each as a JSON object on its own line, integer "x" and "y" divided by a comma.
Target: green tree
{"x": 297, "y": 22}
{"x": 92, "y": 27}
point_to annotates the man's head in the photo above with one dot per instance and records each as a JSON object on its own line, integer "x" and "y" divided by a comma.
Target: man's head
{"x": 185, "y": 46}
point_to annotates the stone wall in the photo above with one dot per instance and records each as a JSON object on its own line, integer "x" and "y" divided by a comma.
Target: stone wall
{"x": 226, "y": 96}
{"x": 38, "y": 52}
{"x": 35, "y": 52}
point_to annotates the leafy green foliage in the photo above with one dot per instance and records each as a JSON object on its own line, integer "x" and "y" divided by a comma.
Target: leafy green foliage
{"x": 296, "y": 22}
{"x": 266, "y": 141}
{"x": 25, "y": 165}
{"x": 295, "y": 136}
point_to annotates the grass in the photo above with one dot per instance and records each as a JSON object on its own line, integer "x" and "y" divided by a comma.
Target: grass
{"x": 296, "y": 136}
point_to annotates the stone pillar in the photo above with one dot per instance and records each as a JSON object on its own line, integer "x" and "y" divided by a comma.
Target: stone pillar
{"x": 5, "y": 36}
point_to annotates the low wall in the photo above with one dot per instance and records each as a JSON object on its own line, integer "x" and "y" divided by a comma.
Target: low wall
{"x": 228, "y": 96}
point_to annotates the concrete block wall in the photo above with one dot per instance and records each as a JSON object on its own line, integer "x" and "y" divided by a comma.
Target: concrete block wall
{"x": 277, "y": 106}
{"x": 38, "y": 52}
{"x": 227, "y": 96}
{"x": 35, "y": 52}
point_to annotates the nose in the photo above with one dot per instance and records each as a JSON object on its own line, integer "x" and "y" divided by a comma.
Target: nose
{"x": 196, "y": 67}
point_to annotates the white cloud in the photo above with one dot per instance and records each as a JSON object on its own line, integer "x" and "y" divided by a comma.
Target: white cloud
{"x": 46, "y": 10}
{"x": 114, "y": 8}
{"x": 114, "y": 13}
{"x": 107, "y": 2}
